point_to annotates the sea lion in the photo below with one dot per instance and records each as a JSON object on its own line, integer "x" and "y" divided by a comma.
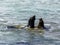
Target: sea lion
{"x": 41, "y": 23}
{"x": 31, "y": 22}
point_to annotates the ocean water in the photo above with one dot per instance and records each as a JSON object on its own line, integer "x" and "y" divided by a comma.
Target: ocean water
{"x": 17, "y": 12}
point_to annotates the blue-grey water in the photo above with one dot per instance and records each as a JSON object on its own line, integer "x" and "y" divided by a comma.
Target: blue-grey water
{"x": 17, "y": 12}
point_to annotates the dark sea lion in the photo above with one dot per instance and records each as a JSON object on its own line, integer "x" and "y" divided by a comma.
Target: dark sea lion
{"x": 31, "y": 22}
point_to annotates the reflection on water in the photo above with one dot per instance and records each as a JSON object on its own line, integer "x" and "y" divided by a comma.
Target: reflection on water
{"x": 25, "y": 37}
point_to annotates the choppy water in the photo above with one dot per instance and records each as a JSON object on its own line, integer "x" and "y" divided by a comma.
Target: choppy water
{"x": 19, "y": 11}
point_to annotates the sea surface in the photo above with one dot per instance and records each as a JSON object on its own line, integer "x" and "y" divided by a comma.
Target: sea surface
{"x": 18, "y": 12}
